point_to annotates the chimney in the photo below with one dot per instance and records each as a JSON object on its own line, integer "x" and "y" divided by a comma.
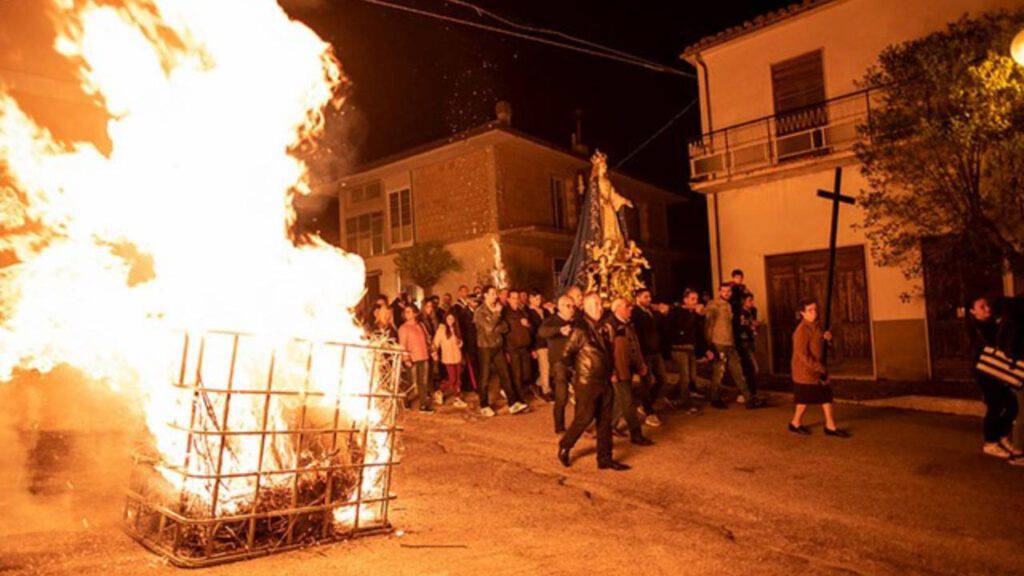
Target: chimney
{"x": 503, "y": 113}
{"x": 577, "y": 137}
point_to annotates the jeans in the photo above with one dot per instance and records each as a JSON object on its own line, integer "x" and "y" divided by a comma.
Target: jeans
{"x": 519, "y": 358}
{"x": 749, "y": 363}
{"x": 593, "y": 401}
{"x": 625, "y": 407}
{"x": 543, "y": 370}
{"x": 1000, "y": 407}
{"x": 727, "y": 357}
{"x": 561, "y": 390}
{"x": 419, "y": 373}
{"x": 686, "y": 358}
{"x": 656, "y": 378}
{"x": 493, "y": 359}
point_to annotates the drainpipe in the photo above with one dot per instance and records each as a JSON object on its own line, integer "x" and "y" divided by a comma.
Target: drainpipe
{"x": 710, "y": 130}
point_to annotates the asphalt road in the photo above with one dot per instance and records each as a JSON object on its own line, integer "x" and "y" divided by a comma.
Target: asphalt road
{"x": 724, "y": 492}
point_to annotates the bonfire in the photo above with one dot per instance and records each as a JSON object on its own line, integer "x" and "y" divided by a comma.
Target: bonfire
{"x": 160, "y": 263}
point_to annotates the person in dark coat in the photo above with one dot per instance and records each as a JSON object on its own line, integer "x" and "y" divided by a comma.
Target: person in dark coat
{"x": 647, "y": 323}
{"x": 555, "y": 330}
{"x": 629, "y": 363}
{"x": 518, "y": 342}
{"x": 490, "y": 331}
{"x": 810, "y": 377}
{"x": 590, "y": 350}
{"x": 686, "y": 337}
{"x": 463, "y": 310}
{"x": 1000, "y": 402}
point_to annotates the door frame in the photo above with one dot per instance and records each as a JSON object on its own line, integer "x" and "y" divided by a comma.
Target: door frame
{"x": 868, "y": 304}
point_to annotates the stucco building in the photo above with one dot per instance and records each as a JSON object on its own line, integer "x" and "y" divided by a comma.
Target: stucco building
{"x": 486, "y": 186}
{"x": 780, "y": 107}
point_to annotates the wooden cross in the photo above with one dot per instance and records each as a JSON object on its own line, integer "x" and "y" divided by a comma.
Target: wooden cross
{"x": 836, "y": 197}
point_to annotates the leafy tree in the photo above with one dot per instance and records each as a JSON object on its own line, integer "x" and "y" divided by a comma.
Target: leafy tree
{"x": 425, "y": 263}
{"x": 944, "y": 153}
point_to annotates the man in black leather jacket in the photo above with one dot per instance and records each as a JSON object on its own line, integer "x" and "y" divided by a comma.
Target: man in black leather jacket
{"x": 590, "y": 350}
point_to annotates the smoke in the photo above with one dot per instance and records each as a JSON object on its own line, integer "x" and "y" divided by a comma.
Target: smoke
{"x": 67, "y": 444}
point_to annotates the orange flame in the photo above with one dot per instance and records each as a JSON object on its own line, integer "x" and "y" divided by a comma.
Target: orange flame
{"x": 206, "y": 99}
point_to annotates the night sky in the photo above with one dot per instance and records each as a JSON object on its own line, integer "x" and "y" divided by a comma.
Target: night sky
{"x": 416, "y": 79}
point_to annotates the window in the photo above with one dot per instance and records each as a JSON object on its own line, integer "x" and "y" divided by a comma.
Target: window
{"x": 364, "y": 234}
{"x": 400, "y": 216}
{"x": 798, "y": 88}
{"x": 563, "y": 203}
{"x": 364, "y": 192}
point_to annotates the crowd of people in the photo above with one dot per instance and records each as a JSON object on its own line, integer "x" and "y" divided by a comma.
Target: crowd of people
{"x": 610, "y": 359}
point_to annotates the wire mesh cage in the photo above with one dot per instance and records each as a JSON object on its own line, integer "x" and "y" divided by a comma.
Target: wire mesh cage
{"x": 266, "y": 447}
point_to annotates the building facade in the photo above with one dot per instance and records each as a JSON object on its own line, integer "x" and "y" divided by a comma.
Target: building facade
{"x": 780, "y": 109}
{"x": 489, "y": 190}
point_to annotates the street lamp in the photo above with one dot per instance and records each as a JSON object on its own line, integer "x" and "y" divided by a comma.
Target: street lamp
{"x": 1017, "y": 48}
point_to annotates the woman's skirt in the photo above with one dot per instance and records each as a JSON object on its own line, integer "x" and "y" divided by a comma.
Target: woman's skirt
{"x": 812, "y": 393}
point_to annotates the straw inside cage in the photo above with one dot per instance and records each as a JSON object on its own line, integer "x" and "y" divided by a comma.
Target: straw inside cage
{"x": 267, "y": 447}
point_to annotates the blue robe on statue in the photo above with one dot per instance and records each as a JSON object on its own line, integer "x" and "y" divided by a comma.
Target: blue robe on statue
{"x": 574, "y": 273}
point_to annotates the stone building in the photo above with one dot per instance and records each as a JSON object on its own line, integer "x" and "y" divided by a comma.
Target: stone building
{"x": 493, "y": 186}
{"x": 779, "y": 111}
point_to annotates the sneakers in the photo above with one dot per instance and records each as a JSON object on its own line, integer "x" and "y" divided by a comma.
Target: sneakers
{"x": 741, "y": 399}
{"x": 459, "y": 403}
{"x": 427, "y": 410}
{"x": 1016, "y": 461}
{"x": 487, "y": 412}
{"x": 653, "y": 421}
{"x": 438, "y": 398}
{"x": 995, "y": 449}
{"x": 517, "y": 408}
{"x": 1006, "y": 443}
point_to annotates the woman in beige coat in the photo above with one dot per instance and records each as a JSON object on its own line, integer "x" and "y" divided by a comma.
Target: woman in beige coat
{"x": 810, "y": 377}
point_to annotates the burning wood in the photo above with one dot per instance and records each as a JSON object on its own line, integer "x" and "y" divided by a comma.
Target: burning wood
{"x": 321, "y": 471}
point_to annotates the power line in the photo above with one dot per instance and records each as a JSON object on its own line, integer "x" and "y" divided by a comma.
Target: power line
{"x": 550, "y": 31}
{"x": 658, "y": 133}
{"x": 603, "y": 53}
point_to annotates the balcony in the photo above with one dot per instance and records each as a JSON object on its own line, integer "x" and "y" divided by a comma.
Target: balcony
{"x": 762, "y": 145}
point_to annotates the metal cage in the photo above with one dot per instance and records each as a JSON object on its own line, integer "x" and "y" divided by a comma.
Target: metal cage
{"x": 280, "y": 446}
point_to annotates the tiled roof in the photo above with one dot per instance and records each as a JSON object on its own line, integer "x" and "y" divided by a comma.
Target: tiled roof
{"x": 762, "y": 21}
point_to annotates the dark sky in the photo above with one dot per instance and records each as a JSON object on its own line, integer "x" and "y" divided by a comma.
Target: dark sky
{"x": 416, "y": 79}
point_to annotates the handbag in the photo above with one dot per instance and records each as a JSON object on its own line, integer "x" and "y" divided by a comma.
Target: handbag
{"x": 998, "y": 365}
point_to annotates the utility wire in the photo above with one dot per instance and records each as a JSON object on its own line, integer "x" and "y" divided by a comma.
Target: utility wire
{"x": 552, "y": 32}
{"x": 603, "y": 53}
{"x": 656, "y": 134}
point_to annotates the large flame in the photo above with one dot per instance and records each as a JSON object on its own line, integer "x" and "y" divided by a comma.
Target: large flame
{"x": 206, "y": 100}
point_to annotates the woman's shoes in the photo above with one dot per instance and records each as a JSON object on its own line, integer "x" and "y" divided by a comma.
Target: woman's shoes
{"x": 801, "y": 430}
{"x": 837, "y": 432}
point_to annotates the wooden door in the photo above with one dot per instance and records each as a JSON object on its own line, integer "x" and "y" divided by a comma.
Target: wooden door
{"x": 792, "y": 277}
{"x": 949, "y": 288}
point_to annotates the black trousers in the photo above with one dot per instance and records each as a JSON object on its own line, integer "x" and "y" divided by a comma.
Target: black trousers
{"x": 494, "y": 359}
{"x": 519, "y": 358}
{"x": 560, "y": 385}
{"x": 657, "y": 376}
{"x": 593, "y": 402}
{"x": 1000, "y": 407}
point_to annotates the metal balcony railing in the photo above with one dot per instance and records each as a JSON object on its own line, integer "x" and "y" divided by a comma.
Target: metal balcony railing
{"x": 821, "y": 129}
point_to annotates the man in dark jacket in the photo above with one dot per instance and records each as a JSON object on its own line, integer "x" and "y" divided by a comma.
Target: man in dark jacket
{"x": 518, "y": 342}
{"x": 490, "y": 329}
{"x": 686, "y": 336}
{"x": 590, "y": 349}
{"x": 555, "y": 330}
{"x": 628, "y": 363}
{"x": 647, "y": 323}
{"x": 463, "y": 311}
